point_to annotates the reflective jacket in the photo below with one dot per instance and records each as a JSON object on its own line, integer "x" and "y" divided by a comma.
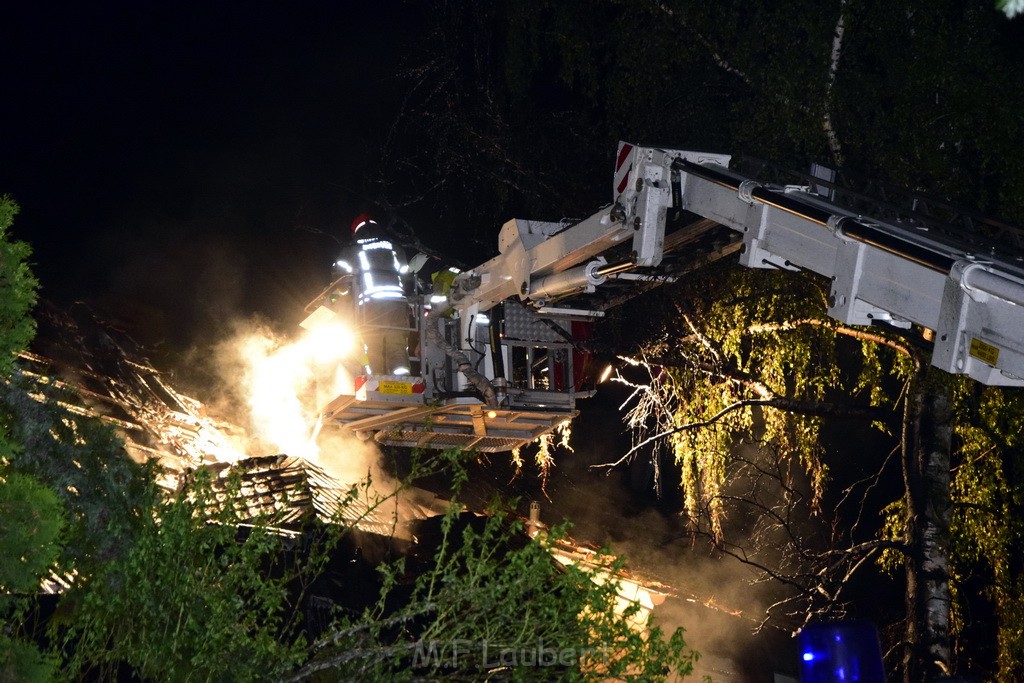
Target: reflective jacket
{"x": 375, "y": 267}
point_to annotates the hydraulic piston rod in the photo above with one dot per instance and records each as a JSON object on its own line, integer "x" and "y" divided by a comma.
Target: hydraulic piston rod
{"x": 581, "y": 278}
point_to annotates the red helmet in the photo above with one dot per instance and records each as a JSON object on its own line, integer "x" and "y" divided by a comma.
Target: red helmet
{"x": 361, "y": 220}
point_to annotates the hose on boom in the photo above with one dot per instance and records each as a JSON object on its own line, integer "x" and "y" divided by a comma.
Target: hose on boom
{"x": 461, "y": 360}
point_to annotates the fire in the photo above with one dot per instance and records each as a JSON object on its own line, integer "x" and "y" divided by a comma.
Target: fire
{"x": 279, "y": 377}
{"x": 328, "y": 343}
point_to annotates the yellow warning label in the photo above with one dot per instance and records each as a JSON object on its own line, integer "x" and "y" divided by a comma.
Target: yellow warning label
{"x": 984, "y": 352}
{"x": 387, "y": 387}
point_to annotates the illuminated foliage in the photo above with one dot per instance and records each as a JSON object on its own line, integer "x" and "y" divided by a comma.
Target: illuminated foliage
{"x": 753, "y": 340}
{"x": 544, "y": 447}
{"x": 17, "y": 290}
{"x": 752, "y": 358}
{"x": 494, "y": 603}
{"x": 188, "y": 600}
{"x": 987, "y": 521}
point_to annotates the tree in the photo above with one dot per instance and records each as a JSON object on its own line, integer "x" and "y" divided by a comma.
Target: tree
{"x": 894, "y": 95}
{"x": 31, "y": 517}
{"x": 987, "y": 524}
{"x": 493, "y": 603}
{"x": 759, "y": 363}
{"x": 194, "y": 598}
{"x": 31, "y": 521}
{"x": 17, "y": 290}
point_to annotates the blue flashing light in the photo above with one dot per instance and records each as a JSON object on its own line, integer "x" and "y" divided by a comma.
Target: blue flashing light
{"x": 841, "y": 651}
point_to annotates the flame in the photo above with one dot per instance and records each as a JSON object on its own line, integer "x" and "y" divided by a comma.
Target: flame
{"x": 278, "y": 379}
{"x": 328, "y": 343}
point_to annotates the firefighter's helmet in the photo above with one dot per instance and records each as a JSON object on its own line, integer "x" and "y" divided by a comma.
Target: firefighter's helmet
{"x": 361, "y": 221}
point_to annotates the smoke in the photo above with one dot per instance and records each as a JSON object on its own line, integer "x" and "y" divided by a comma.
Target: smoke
{"x": 275, "y": 387}
{"x": 719, "y": 601}
{"x": 278, "y": 384}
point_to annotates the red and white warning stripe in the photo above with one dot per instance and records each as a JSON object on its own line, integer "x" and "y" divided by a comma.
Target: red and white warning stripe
{"x": 623, "y": 165}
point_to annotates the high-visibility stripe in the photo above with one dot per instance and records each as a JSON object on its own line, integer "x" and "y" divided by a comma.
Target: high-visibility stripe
{"x": 623, "y": 153}
{"x": 622, "y": 169}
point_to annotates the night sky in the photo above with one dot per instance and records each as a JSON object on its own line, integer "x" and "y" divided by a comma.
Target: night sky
{"x": 179, "y": 164}
{"x": 182, "y": 166}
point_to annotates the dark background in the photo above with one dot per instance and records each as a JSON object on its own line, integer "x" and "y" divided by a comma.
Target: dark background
{"x": 181, "y": 165}
{"x": 178, "y": 164}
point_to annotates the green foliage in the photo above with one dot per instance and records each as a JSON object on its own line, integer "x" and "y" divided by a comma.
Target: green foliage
{"x": 82, "y": 460}
{"x": 189, "y": 601}
{"x": 894, "y": 528}
{"x": 760, "y": 346}
{"x": 988, "y": 513}
{"x": 31, "y": 516}
{"x": 17, "y": 291}
{"x": 31, "y": 520}
{"x": 494, "y": 603}
{"x": 521, "y": 599}
{"x": 22, "y": 662}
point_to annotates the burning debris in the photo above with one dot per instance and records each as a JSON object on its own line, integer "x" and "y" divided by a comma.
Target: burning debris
{"x": 286, "y": 492}
{"x": 113, "y": 380}
{"x": 116, "y": 383}
{"x": 633, "y": 589}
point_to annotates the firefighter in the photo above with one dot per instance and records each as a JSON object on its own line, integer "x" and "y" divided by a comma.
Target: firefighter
{"x": 372, "y": 271}
{"x": 433, "y": 276}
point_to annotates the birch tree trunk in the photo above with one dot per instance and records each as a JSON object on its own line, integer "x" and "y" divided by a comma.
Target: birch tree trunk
{"x": 827, "y": 124}
{"x": 927, "y": 441}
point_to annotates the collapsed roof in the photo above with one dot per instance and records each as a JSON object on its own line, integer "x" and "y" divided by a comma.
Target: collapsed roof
{"x": 115, "y": 382}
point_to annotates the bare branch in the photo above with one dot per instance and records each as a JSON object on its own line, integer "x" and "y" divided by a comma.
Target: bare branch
{"x": 786, "y": 404}
{"x": 873, "y": 479}
{"x": 727, "y": 66}
{"x": 705, "y": 342}
{"x": 838, "y": 329}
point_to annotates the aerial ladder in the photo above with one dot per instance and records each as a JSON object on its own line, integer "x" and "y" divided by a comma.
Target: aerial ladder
{"x": 500, "y": 360}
